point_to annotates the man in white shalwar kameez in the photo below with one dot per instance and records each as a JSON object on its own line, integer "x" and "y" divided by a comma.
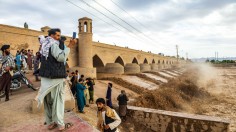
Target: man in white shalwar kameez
{"x": 52, "y": 72}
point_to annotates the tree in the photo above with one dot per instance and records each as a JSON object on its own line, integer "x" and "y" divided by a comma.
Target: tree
{"x": 212, "y": 61}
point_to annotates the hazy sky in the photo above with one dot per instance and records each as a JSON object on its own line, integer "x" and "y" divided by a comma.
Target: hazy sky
{"x": 198, "y": 27}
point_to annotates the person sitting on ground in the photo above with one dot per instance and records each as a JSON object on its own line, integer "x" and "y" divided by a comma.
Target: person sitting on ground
{"x": 108, "y": 119}
{"x": 80, "y": 95}
{"x": 122, "y": 98}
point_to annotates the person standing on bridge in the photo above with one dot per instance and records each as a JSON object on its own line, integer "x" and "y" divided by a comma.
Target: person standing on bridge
{"x": 53, "y": 73}
{"x": 7, "y": 65}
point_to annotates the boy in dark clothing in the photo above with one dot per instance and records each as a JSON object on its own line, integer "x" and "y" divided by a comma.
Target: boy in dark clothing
{"x": 91, "y": 90}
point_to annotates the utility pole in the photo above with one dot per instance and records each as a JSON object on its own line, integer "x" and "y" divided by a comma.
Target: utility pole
{"x": 177, "y": 50}
{"x": 215, "y": 56}
{"x": 186, "y": 55}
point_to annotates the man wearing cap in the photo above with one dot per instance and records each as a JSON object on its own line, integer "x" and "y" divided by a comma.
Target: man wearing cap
{"x": 7, "y": 66}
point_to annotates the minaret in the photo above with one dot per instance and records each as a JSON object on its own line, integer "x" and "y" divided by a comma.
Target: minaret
{"x": 85, "y": 43}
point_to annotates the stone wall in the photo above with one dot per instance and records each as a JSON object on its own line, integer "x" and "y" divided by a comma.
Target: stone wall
{"x": 167, "y": 121}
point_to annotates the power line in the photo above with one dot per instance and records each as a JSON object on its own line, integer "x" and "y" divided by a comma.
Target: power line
{"x": 98, "y": 17}
{"x": 123, "y": 21}
{"x": 137, "y": 37}
{"x": 104, "y": 14}
{"x": 108, "y": 17}
{"x": 128, "y": 13}
{"x": 91, "y": 14}
{"x": 119, "y": 23}
{"x": 118, "y": 17}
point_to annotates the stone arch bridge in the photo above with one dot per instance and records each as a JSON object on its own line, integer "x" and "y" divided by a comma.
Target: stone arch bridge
{"x": 87, "y": 56}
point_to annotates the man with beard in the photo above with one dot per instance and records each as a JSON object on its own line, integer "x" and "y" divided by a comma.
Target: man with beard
{"x": 7, "y": 65}
{"x": 108, "y": 119}
{"x": 53, "y": 73}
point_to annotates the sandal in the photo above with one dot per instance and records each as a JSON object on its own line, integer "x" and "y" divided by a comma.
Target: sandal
{"x": 52, "y": 126}
{"x": 67, "y": 126}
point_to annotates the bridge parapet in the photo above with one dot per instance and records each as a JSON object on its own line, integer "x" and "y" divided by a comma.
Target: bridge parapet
{"x": 167, "y": 121}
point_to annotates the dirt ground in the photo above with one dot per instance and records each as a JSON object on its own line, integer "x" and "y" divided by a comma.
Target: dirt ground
{"x": 17, "y": 112}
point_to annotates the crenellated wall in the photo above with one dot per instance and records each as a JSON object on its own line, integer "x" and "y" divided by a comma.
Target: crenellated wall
{"x": 167, "y": 121}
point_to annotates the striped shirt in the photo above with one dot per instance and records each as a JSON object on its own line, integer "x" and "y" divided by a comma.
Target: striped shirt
{"x": 7, "y": 61}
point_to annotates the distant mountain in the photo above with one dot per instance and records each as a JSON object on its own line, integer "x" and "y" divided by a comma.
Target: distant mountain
{"x": 212, "y": 58}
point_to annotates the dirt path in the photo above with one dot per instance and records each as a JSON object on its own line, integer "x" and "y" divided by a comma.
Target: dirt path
{"x": 16, "y": 113}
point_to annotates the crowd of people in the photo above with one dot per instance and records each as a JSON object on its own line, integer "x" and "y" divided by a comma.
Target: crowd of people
{"x": 83, "y": 90}
{"x": 26, "y": 60}
{"x": 49, "y": 64}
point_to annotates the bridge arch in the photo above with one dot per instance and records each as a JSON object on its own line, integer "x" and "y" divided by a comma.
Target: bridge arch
{"x": 159, "y": 61}
{"x": 97, "y": 61}
{"x": 135, "y": 60}
{"x": 153, "y": 61}
{"x": 120, "y": 61}
{"x": 145, "y": 61}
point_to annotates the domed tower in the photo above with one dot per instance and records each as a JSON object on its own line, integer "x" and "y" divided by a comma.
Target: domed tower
{"x": 85, "y": 43}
